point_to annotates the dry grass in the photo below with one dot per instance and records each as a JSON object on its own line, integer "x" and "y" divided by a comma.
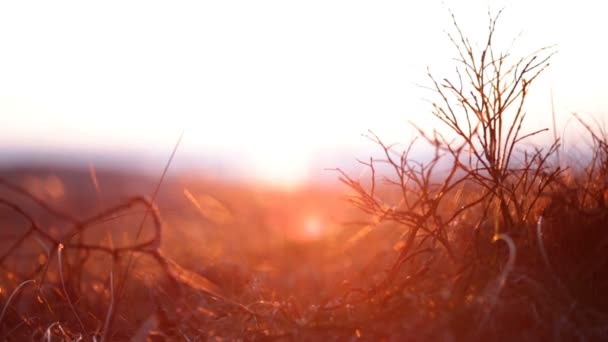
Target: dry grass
{"x": 488, "y": 239}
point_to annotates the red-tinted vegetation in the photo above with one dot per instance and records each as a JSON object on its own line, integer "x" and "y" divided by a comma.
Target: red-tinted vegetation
{"x": 487, "y": 239}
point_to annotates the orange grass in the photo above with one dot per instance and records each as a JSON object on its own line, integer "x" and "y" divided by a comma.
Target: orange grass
{"x": 413, "y": 252}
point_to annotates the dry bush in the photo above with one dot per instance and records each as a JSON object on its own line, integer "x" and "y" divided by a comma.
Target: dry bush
{"x": 482, "y": 185}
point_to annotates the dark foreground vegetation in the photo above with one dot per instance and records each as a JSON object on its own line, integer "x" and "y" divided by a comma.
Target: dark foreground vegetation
{"x": 490, "y": 239}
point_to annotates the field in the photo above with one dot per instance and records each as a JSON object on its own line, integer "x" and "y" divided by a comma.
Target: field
{"x": 492, "y": 237}
{"x": 239, "y": 262}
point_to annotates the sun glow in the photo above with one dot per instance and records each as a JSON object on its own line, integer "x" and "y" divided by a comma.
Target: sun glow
{"x": 264, "y": 85}
{"x": 313, "y": 227}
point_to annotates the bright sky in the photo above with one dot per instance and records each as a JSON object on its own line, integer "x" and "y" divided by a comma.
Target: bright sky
{"x": 272, "y": 84}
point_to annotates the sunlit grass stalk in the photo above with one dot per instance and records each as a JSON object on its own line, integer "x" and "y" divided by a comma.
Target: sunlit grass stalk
{"x": 48, "y": 334}
{"x": 545, "y": 256}
{"x": 502, "y": 279}
{"x": 10, "y": 298}
{"x": 493, "y": 294}
{"x": 65, "y": 291}
{"x": 106, "y": 325}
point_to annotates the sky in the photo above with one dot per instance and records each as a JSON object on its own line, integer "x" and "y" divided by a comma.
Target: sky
{"x": 272, "y": 88}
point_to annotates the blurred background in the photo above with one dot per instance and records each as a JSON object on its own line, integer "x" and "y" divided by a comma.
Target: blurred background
{"x": 271, "y": 92}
